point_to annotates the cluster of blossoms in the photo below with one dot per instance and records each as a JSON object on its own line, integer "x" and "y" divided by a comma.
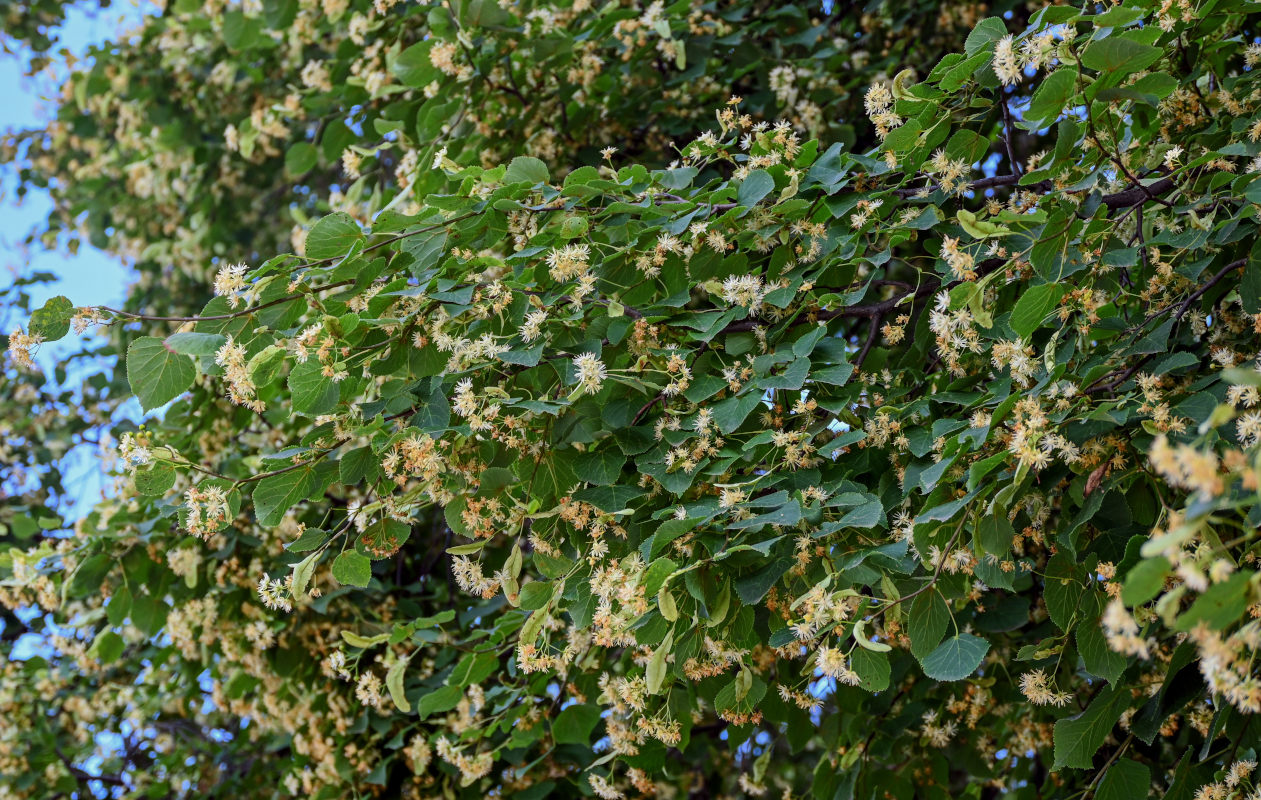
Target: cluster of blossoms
{"x": 469, "y": 576}
{"x": 951, "y": 174}
{"x": 1036, "y": 685}
{"x": 745, "y": 290}
{"x": 1031, "y": 441}
{"x": 20, "y": 346}
{"x": 481, "y": 415}
{"x": 820, "y": 609}
{"x": 471, "y": 767}
{"x": 241, "y": 388}
{"x": 1227, "y": 664}
{"x": 833, "y": 663}
{"x": 590, "y": 372}
{"x": 1233, "y": 784}
{"x": 275, "y": 594}
{"x": 879, "y": 105}
{"x": 208, "y": 510}
{"x": 230, "y": 283}
{"x": 1187, "y": 467}
{"x": 134, "y": 450}
{"x": 960, "y": 261}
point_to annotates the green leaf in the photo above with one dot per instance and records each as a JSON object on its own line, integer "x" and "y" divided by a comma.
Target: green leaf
{"x": 156, "y": 374}
{"x": 1125, "y": 780}
{"x": 394, "y": 682}
{"x": 1051, "y": 96}
{"x": 413, "y": 67}
{"x": 264, "y": 366}
{"x": 731, "y": 413}
{"x": 195, "y": 344}
{"x": 107, "y": 647}
{"x": 313, "y": 393}
{"x": 426, "y": 251}
{"x": 526, "y": 169}
{"x": 655, "y": 672}
{"x": 1034, "y": 306}
{"x": 1063, "y": 590}
{"x": 1098, "y": 657}
{"x": 956, "y": 658}
{"x": 352, "y": 569}
{"x": 1117, "y": 56}
{"x": 1078, "y": 738}
{"x": 439, "y": 700}
{"x": 52, "y": 320}
{"x": 655, "y": 575}
{"x": 1219, "y": 606}
{"x": 119, "y": 605}
{"x": 667, "y": 532}
{"x": 149, "y": 614}
{"x": 310, "y": 539}
{"x": 356, "y": 465}
{"x": 276, "y": 494}
{"x": 1144, "y": 580}
{"x": 332, "y": 237}
{"x": 995, "y": 535}
{"x": 473, "y": 668}
{"x": 90, "y": 573}
{"x": 300, "y": 159}
{"x": 601, "y": 468}
{"x": 872, "y": 668}
{"x": 574, "y": 725}
{"x": 754, "y": 187}
{"x": 752, "y": 588}
{"x": 980, "y": 228}
{"x": 1250, "y": 280}
{"x": 867, "y": 515}
{"x": 155, "y": 480}
{"x": 534, "y": 595}
{"x": 927, "y": 621}
{"x": 302, "y": 572}
{"x": 986, "y": 33}
{"x": 355, "y": 640}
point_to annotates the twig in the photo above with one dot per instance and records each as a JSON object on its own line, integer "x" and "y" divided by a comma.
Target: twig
{"x": 871, "y": 340}
{"x": 1007, "y": 131}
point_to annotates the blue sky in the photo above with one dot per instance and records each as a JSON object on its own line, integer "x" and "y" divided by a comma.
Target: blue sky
{"x": 89, "y": 277}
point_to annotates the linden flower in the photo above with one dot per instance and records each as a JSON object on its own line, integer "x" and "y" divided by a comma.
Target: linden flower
{"x": 368, "y": 689}
{"x": 959, "y": 260}
{"x": 833, "y": 663}
{"x": 241, "y": 388}
{"x": 532, "y": 328}
{"x": 315, "y": 76}
{"x": 134, "y": 452}
{"x": 568, "y": 262}
{"x": 604, "y": 788}
{"x": 420, "y": 753}
{"x": 745, "y": 290}
{"x": 1252, "y": 55}
{"x": 591, "y": 372}
{"x": 273, "y": 594}
{"x": 1006, "y": 64}
{"x": 1036, "y": 686}
{"x": 731, "y": 498}
{"x": 20, "y": 345}
{"x": 230, "y": 283}
{"x": 208, "y": 510}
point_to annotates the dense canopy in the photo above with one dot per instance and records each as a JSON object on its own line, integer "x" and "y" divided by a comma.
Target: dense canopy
{"x": 576, "y": 398}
